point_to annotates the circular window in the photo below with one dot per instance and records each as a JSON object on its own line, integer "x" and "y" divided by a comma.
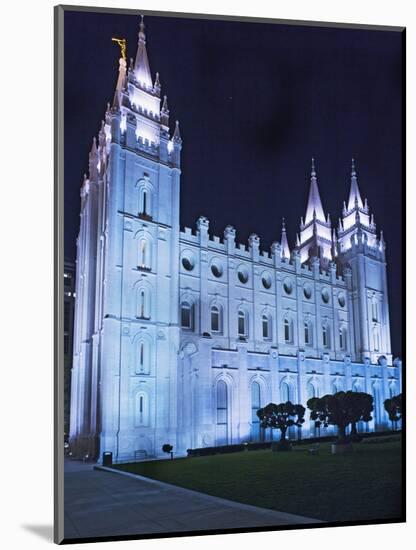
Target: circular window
{"x": 266, "y": 280}
{"x": 287, "y": 286}
{"x": 242, "y": 275}
{"x": 216, "y": 269}
{"x": 307, "y": 292}
{"x": 341, "y": 300}
{"x": 188, "y": 263}
{"x": 325, "y": 296}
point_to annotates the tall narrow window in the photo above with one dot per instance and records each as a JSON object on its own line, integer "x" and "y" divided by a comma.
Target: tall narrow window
{"x": 141, "y": 357}
{"x": 341, "y": 339}
{"x": 145, "y": 202}
{"x": 287, "y": 330}
{"x": 255, "y": 406}
{"x": 308, "y": 340}
{"x": 375, "y": 311}
{"x": 142, "y": 409}
{"x": 325, "y": 336}
{"x": 222, "y": 413}
{"x": 285, "y": 392}
{"x": 144, "y": 254}
{"x": 241, "y": 323}
{"x": 215, "y": 319}
{"x": 376, "y": 341}
{"x": 186, "y": 315}
{"x": 266, "y": 326}
{"x": 143, "y": 303}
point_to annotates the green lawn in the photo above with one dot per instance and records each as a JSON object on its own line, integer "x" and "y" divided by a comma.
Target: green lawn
{"x": 363, "y": 485}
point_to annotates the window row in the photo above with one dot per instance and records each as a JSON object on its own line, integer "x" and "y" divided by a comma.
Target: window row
{"x": 216, "y": 324}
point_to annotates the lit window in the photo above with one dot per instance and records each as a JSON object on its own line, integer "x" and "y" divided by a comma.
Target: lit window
{"x": 143, "y": 303}
{"x": 144, "y": 254}
{"x": 308, "y": 339}
{"x": 266, "y": 327}
{"x": 215, "y": 319}
{"x": 325, "y": 336}
{"x": 241, "y": 323}
{"x": 375, "y": 311}
{"x": 186, "y": 315}
{"x": 287, "y": 330}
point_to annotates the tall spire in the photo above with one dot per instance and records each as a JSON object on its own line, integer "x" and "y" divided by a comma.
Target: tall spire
{"x": 314, "y": 208}
{"x": 354, "y": 191}
{"x": 285, "y": 251}
{"x": 120, "y": 82}
{"x": 141, "y": 65}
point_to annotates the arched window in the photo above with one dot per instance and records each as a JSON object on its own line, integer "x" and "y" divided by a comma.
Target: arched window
{"x": 143, "y": 357}
{"x": 143, "y": 303}
{"x": 307, "y": 333}
{"x": 342, "y": 338}
{"x": 377, "y": 403}
{"x": 144, "y": 254}
{"x": 311, "y": 390}
{"x": 356, "y": 387}
{"x": 187, "y": 315}
{"x": 374, "y": 309}
{"x": 142, "y": 409}
{"x": 215, "y": 319}
{"x": 242, "y": 323}
{"x": 222, "y": 413}
{"x": 266, "y": 322}
{"x": 287, "y": 325}
{"x": 376, "y": 337}
{"x": 285, "y": 393}
{"x": 145, "y": 202}
{"x": 325, "y": 336}
{"x": 392, "y": 389}
{"x": 256, "y": 432}
{"x": 334, "y": 387}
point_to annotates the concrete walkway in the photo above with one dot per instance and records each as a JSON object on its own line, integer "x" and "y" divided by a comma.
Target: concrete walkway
{"x": 99, "y": 503}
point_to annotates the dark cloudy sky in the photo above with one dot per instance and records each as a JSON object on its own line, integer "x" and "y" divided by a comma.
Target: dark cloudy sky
{"x": 255, "y": 102}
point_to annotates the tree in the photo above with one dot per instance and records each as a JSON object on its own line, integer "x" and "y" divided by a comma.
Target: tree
{"x": 393, "y": 408}
{"x": 282, "y": 417}
{"x": 168, "y": 449}
{"x": 361, "y": 409}
{"x": 341, "y": 409}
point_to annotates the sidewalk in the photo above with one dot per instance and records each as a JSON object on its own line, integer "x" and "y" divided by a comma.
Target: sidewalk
{"x": 100, "y": 503}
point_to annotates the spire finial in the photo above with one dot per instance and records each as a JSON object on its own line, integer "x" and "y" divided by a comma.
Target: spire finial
{"x": 353, "y": 173}
{"x": 165, "y": 104}
{"x": 313, "y": 172}
{"x": 176, "y": 134}
{"x": 142, "y": 35}
{"x": 283, "y": 224}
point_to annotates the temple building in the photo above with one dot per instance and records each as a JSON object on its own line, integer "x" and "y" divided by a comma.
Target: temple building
{"x": 180, "y": 336}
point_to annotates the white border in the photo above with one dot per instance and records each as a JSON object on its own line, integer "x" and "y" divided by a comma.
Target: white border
{"x": 27, "y": 266}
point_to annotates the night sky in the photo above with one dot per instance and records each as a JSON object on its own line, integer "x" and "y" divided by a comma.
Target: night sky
{"x": 255, "y": 102}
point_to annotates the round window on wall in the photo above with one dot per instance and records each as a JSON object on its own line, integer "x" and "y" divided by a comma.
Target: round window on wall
{"x": 216, "y": 269}
{"x": 307, "y": 292}
{"x": 341, "y": 300}
{"x": 242, "y": 275}
{"x": 325, "y": 296}
{"x": 287, "y": 286}
{"x": 266, "y": 280}
{"x": 188, "y": 263}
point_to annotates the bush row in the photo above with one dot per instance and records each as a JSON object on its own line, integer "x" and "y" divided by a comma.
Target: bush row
{"x": 206, "y": 451}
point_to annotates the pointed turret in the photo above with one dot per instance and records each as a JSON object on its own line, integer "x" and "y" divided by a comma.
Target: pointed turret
{"x": 356, "y": 218}
{"x": 315, "y": 231}
{"x": 314, "y": 208}
{"x": 141, "y": 65}
{"x": 285, "y": 251}
{"x": 355, "y": 197}
{"x": 176, "y": 134}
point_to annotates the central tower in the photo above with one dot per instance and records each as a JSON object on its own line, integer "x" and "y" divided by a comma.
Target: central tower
{"x": 125, "y": 356}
